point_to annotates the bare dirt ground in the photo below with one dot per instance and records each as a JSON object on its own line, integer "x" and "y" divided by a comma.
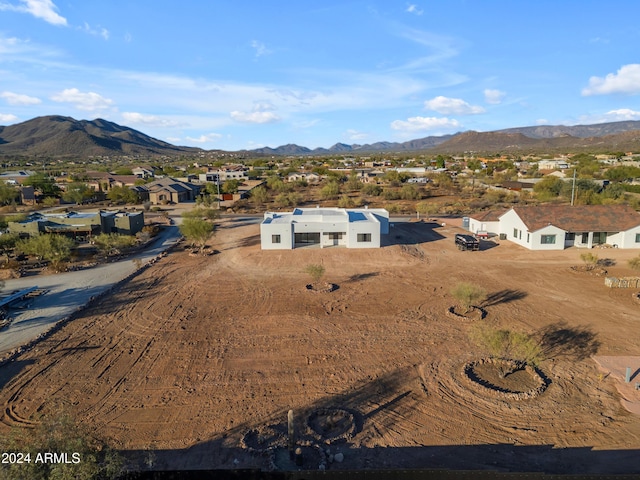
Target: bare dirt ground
{"x": 195, "y": 362}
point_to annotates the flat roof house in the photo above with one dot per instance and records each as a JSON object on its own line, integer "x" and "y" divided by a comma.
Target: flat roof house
{"x": 80, "y": 224}
{"x": 325, "y": 227}
{"x": 556, "y": 227}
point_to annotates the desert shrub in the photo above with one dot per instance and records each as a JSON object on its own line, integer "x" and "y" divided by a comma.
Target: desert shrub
{"x": 330, "y": 190}
{"x": 290, "y": 199}
{"x": 87, "y": 457}
{"x": 590, "y": 260}
{"x": 390, "y": 194}
{"x": 392, "y": 208}
{"x": 372, "y": 190}
{"x": 202, "y": 212}
{"x": 114, "y": 243}
{"x": 468, "y": 294}
{"x": 634, "y": 263}
{"x": 507, "y": 344}
{"x": 197, "y": 230}
{"x": 315, "y": 271}
{"x": 409, "y": 192}
{"x": 427, "y": 208}
{"x": 50, "y": 247}
{"x": 345, "y": 202}
{"x": 259, "y": 195}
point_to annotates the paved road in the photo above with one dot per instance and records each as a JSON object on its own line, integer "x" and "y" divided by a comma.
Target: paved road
{"x": 68, "y": 291}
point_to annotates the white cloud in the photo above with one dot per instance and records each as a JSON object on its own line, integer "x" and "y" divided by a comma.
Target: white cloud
{"x": 417, "y": 124}
{"x": 262, "y": 112}
{"x": 7, "y": 118}
{"x": 493, "y": 97}
{"x": 89, "y": 101}
{"x": 43, "y": 9}
{"x": 414, "y": 9}
{"x": 456, "y": 106}
{"x": 97, "y": 31}
{"x": 542, "y": 121}
{"x": 148, "y": 120}
{"x": 260, "y": 48}
{"x": 18, "y": 99}
{"x": 623, "y": 114}
{"x": 306, "y": 123}
{"x": 625, "y": 80}
{"x": 210, "y": 137}
{"x": 440, "y": 47}
{"x": 356, "y": 135}
{"x": 255, "y": 117}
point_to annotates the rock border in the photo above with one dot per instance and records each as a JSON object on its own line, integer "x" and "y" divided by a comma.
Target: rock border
{"x": 469, "y": 374}
{"x": 325, "y": 287}
{"x": 589, "y": 270}
{"x": 476, "y": 313}
{"x": 347, "y": 435}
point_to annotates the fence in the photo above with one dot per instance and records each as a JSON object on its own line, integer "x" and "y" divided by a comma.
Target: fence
{"x": 624, "y": 282}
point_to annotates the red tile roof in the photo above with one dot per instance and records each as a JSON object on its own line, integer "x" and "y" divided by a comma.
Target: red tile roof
{"x": 580, "y": 218}
{"x": 489, "y": 215}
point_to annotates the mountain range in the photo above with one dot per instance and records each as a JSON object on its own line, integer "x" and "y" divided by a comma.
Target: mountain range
{"x": 59, "y": 136}
{"x": 64, "y": 136}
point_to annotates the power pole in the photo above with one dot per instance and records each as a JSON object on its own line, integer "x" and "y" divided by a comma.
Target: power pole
{"x": 573, "y": 187}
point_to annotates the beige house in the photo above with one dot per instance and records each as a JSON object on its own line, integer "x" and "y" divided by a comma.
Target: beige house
{"x": 169, "y": 190}
{"x": 80, "y": 224}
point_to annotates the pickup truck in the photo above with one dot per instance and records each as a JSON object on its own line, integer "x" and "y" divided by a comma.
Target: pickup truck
{"x": 467, "y": 242}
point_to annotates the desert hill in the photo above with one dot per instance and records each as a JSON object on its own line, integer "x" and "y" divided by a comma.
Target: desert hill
{"x": 64, "y": 136}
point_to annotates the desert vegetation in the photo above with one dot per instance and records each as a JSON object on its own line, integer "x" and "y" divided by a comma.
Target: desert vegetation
{"x": 468, "y": 295}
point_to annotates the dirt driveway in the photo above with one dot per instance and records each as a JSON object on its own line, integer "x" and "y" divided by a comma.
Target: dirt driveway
{"x": 200, "y": 358}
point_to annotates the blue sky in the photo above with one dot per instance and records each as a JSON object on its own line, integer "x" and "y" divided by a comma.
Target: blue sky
{"x": 245, "y": 74}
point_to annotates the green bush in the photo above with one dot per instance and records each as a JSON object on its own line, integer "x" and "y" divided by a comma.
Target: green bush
{"x": 315, "y": 271}
{"x": 468, "y": 294}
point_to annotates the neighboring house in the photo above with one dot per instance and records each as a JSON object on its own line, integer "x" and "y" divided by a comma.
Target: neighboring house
{"x": 233, "y": 172}
{"x": 416, "y": 171}
{"x": 556, "y": 227}
{"x": 555, "y": 164}
{"x": 82, "y": 224}
{"x": 370, "y": 177}
{"x": 208, "y": 177}
{"x": 422, "y": 180}
{"x": 309, "y": 177}
{"x": 104, "y": 181}
{"x": 518, "y": 186}
{"x": 27, "y": 195}
{"x": 142, "y": 172}
{"x": 16, "y": 178}
{"x": 169, "y": 190}
{"x": 325, "y": 227}
{"x": 488, "y": 221}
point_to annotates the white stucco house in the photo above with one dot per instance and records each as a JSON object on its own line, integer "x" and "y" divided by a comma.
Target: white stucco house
{"x": 324, "y": 227}
{"x": 556, "y": 227}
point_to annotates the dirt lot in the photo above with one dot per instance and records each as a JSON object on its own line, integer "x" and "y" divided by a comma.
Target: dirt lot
{"x": 200, "y": 358}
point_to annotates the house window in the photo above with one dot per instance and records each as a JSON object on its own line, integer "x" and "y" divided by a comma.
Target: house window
{"x": 515, "y": 233}
{"x": 637, "y": 237}
{"x": 334, "y": 235}
{"x": 599, "y": 238}
{"x": 364, "y": 237}
{"x": 585, "y": 238}
{"x": 527, "y": 238}
{"x": 275, "y": 238}
{"x": 547, "y": 239}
